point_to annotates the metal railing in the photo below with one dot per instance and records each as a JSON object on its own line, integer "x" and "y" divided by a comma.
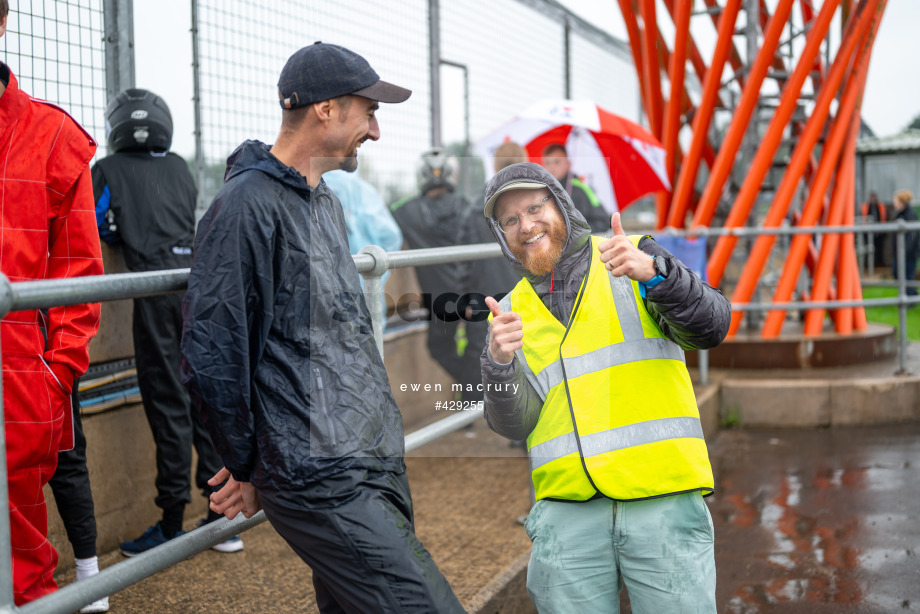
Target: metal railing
{"x": 372, "y": 262}
{"x": 903, "y": 301}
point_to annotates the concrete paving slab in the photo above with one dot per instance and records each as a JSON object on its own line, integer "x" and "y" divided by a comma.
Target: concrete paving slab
{"x": 875, "y": 400}
{"x": 772, "y": 403}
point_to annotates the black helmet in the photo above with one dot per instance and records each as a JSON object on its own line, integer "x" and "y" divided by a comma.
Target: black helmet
{"x": 139, "y": 120}
{"x": 437, "y": 168}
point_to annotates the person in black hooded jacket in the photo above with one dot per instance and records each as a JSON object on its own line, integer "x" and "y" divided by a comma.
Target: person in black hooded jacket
{"x": 279, "y": 349}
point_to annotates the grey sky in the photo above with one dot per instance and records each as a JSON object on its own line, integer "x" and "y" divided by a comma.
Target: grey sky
{"x": 892, "y": 96}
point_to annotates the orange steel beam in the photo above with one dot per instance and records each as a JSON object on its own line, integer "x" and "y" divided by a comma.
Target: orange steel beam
{"x": 764, "y": 244}
{"x": 696, "y": 58}
{"x": 687, "y": 107}
{"x": 628, "y": 10}
{"x": 850, "y": 263}
{"x": 808, "y": 15}
{"x": 838, "y": 144}
{"x": 650, "y": 64}
{"x": 847, "y": 272}
{"x": 734, "y": 58}
{"x": 811, "y": 262}
{"x": 676, "y": 66}
{"x": 764, "y": 15}
{"x": 830, "y": 243}
{"x": 851, "y": 318}
{"x": 701, "y": 120}
{"x": 743, "y": 112}
{"x": 850, "y": 284}
{"x": 770, "y": 142}
{"x": 699, "y": 67}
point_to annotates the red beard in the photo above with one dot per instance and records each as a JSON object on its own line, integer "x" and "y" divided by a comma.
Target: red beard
{"x": 544, "y": 261}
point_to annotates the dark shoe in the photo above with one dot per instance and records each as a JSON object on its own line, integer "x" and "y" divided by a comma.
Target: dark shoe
{"x": 234, "y": 544}
{"x": 151, "y": 538}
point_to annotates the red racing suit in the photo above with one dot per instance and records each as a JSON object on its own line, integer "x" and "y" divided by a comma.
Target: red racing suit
{"x": 48, "y": 231}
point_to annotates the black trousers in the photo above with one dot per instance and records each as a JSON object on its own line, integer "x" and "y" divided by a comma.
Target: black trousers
{"x": 355, "y": 531}
{"x": 174, "y": 420}
{"x": 71, "y": 490}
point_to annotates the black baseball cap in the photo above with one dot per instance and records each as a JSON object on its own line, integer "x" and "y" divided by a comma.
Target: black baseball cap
{"x": 322, "y": 71}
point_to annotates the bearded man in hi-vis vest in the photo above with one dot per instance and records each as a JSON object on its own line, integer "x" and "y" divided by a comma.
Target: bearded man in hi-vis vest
{"x": 585, "y": 360}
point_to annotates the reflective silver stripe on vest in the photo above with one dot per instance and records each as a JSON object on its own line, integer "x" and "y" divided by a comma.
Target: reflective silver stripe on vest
{"x": 535, "y": 381}
{"x": 624, "y": 299}
{"x": 619, "y": 438}
{"x": 605, "y": 358}
{"x": 548, "y": 451}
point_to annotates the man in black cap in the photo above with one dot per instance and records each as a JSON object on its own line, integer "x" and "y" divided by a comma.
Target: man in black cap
{"x": 278, "y": 348}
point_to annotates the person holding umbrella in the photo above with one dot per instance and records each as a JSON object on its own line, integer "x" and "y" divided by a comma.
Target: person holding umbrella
{"x": 618, "y": 158}
{"x": 585, "y": 361}
{"x": 556, "y": 161}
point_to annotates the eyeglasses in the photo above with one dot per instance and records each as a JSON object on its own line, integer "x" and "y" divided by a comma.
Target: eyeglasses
{"x": 534, "y": 213}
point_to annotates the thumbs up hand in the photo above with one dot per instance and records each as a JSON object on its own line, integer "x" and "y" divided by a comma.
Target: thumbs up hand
{"x": 621, "y": 257}
{"x": 506, "y": 333}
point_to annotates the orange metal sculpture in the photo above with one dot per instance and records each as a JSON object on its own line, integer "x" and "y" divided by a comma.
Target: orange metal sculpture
{"x": 821, "y": 163}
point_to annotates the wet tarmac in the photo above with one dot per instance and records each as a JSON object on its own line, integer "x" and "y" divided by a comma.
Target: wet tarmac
{"x": 814, "y": 521}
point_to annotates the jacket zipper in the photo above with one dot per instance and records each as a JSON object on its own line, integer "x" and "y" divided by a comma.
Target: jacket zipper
{"x": 324, "y": 408}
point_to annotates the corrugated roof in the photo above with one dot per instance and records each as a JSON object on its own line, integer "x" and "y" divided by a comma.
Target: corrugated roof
{"x": 908, "y": 140}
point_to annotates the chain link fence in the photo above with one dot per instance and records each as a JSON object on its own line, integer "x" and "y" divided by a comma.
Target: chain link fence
{"x": 512, "y": 52}
{"x": 56, "y": 50}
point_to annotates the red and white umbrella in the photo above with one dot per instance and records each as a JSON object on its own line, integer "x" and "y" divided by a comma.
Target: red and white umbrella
{"x": 618, "y": 158}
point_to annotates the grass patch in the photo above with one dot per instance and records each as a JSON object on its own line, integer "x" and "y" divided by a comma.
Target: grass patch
{"x": 889, "y": 315}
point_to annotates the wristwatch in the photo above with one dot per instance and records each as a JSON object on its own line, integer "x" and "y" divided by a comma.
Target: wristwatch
{"x": 661, "y": 272}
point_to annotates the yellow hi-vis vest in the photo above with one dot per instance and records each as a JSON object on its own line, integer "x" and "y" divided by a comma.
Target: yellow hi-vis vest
{"x": 619, "y": 415}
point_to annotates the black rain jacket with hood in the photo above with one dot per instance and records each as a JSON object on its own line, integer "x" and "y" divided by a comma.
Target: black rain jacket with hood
{"x": 688, "y": 311}
{"x": 278, "y": 345}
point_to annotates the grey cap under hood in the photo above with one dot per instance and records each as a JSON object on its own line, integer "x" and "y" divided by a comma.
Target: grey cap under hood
{"x": 578, "y": 231}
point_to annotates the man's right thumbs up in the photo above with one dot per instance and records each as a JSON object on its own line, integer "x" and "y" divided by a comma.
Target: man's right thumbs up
{"x": 616, "y": 225}
{"x": 506, "y": 333}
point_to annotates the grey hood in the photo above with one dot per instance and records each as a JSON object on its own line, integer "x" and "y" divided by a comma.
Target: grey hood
{"x": 579, "y": 233}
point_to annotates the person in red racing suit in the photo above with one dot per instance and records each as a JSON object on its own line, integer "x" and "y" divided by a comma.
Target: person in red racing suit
{"x": 48, "y": 231}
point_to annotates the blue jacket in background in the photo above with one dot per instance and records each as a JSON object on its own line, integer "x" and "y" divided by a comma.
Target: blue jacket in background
{"x": 367, "y": 219}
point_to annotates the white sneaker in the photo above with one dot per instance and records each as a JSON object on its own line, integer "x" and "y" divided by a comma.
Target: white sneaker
{"x": 102, "y": 605}
{"x": 234, "y": 544}
{"x": 87, "y": 568}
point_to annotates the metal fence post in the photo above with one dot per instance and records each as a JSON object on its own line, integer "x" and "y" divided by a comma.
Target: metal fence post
{"x": 196, "y": 103}
{"x": 373, "y": 290}
{"x": 6, "y": 549}
{"x": 434, "y": 67}
{"x": 901, "y": 262}
{"x": 703, "y": 358}
{"x": 119, "y": 46}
